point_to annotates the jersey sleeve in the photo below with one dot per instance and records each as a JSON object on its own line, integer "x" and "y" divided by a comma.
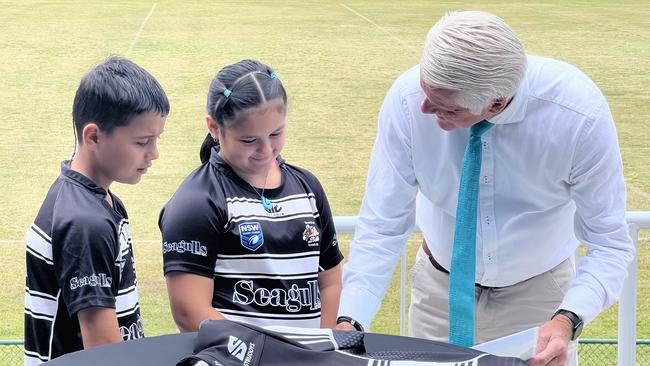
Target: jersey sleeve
{"x": 330, "y": 254}
{"x": 84, "y": 250}
{"x": 190, "y": 226}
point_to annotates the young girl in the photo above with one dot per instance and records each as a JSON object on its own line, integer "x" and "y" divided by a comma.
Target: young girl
{"x": 248, "y": 236}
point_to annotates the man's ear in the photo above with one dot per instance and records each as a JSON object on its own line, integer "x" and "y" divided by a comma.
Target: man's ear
{"x": 498, "y": 105}
{"x": 90, "y": 135}
{"x": 213, "y": 127}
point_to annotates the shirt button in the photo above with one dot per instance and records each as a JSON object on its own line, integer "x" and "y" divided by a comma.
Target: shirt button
{"x": 486, "y": 179}
{"x": 488, "y": 220}
{"x": 485, "y": 145}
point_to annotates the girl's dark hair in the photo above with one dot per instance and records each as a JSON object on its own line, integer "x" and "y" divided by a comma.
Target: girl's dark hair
{"x": 236, "y": 88}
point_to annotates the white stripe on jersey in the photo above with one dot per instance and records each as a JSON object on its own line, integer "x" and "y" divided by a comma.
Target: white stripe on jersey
{"x": 264, "y": 322}
{"x": 283, "y": 199}
{"x": 472, "y": 362}
{"x": 126, "y": 299}
{"x": 301, "y": 335}
{"x": 268, "y": 255}
{"x": 294, "y": 206}
{"x": 295, "y": 332}
{"x": 41, "y": 294}
{"x": 33, "y": 358}
{"x": 262, "y": 215}
{"x": 277, "y": 277}
{"x": 261, "y": 265}
{"x": 127, "y": 312}
{"x": 39, "y": 307}
{"x": 374, "y": 362}
{"x": 37, "y": 316}
{"x": 303, "y": 341}
{"x": 306, "y": 337}
{"x": 252, "y": 314}
{"x": 39, "y": 244}
{"x": 41, "y": 232}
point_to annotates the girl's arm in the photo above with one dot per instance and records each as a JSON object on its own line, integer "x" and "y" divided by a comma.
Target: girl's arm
{"x": 329, "y": 283}
{"x": 190, "y": 299}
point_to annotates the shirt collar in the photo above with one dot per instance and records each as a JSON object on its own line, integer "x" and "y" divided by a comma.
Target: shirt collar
{"x": 516, "y": 110}
{"x": 80, "y": 178}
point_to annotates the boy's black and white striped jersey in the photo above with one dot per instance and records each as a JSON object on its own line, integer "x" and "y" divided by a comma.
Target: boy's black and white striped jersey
{"x": 265, "y": 264}
{"x": 78, "y": 256}
{"x": 226, "y": 343}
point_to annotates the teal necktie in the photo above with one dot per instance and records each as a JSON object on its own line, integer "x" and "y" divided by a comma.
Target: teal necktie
{"x": 463, "y": 258}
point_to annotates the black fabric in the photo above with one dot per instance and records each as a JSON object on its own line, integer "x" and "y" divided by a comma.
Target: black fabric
{"x": 227, "y": 343}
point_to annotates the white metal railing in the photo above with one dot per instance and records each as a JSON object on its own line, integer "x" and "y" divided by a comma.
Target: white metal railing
{"x": 636, "y": 220}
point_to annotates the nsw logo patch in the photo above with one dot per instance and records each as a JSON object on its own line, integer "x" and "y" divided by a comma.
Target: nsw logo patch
{"x": 251, "y": 235}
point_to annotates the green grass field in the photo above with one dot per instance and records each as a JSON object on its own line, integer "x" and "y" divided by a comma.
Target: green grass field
{"x": 335, "y": 59}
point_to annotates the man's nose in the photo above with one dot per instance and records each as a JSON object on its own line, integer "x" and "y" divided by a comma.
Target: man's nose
{"x": 427, "y": 107}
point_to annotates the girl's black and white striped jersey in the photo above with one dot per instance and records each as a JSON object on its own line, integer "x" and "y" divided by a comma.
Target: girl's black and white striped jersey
{"x": 78, "y": 256}
{"x": 265, "y": 264}
{"x": 226, "y": 343}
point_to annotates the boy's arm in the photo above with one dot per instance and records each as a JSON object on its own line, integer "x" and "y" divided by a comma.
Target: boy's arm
{"x": 98, "y": 326}
{"x": 190, "y": 298}
{"x": 329, "y": 283}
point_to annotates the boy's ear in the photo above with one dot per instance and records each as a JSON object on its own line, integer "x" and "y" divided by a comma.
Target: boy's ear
{"x": 213, "y": 127}
{"x": 90, "y": 135}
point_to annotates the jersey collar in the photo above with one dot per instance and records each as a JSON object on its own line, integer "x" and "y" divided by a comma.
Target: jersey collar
{"x": 80, "y": 178}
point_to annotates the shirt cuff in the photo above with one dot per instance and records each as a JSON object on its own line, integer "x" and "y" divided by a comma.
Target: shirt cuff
{"x": 359, "y": 304}
{"x": 583, "y": 301}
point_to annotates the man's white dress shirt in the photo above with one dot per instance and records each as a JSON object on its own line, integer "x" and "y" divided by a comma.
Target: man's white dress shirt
{"x": 551, "y": 177}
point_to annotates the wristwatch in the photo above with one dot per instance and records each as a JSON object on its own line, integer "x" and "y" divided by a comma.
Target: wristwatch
{"x": 575, "y": 319}
{"x": 352, "y": 322}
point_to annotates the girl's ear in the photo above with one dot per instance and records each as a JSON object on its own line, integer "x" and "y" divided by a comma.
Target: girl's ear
{"x": 90, "y": 135}
{"x": 213, "y": 127}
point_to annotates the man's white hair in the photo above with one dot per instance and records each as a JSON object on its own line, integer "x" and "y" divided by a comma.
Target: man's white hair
{"x": 476, "y": 54}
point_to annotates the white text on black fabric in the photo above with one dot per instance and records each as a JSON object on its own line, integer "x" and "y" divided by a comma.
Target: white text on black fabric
{"x": 292, "y": 300}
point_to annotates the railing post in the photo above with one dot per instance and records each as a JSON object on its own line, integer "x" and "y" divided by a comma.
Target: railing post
{"x": 627, "y": 309}
{"x": 402, "y": 295}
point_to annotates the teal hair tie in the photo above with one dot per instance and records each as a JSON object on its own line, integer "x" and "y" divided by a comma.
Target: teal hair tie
{"x": 274, "y": 75}
{"x": 227, "y": 92}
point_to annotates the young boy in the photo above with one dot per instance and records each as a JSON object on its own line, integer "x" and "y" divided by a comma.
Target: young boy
{"x": 81, "y": 284}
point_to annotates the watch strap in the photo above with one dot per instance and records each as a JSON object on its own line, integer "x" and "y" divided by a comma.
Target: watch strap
{"x": 352, "y": 322}
{"x": 576, "y": 321}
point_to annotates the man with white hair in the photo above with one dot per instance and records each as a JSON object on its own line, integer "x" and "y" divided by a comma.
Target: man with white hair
{"x": 532, "y": 145}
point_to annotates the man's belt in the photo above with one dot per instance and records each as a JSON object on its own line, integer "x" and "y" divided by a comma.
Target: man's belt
{"x": 439, "y": 267}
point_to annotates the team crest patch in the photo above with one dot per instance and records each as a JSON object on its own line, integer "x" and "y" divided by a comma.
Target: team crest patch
{"x": 311, "y": 235}
{"x": 251, "y": 235}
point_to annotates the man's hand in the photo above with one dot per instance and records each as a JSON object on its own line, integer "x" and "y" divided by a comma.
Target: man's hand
{"x": 553, "y": 342}
{"x": 344, "y": 326}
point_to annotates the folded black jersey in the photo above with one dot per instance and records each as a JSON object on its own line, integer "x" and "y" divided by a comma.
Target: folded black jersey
{"x": 228, "y": 343}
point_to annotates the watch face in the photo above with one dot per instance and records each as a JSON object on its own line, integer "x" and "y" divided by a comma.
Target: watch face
{"x": 577, "y": 329}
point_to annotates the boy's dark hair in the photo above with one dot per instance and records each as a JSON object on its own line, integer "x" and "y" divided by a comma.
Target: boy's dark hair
{"x": 236, "y": 88}
{"x": 115, "y": 92}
